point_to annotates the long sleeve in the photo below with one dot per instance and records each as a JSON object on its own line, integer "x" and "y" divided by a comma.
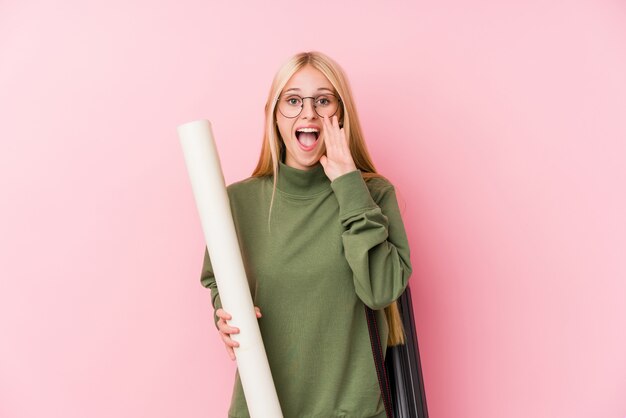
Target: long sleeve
{"x": 374, "y": 238}
{"x": 207, "y": 279}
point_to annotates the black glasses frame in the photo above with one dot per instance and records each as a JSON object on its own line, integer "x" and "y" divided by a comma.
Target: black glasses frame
{"x": 314, "y": 105}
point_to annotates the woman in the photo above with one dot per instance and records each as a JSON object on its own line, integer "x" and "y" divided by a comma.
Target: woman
{"x": 321, "y": 236}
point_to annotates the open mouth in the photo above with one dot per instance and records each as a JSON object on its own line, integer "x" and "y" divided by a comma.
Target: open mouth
{"x": 307, "y": 140}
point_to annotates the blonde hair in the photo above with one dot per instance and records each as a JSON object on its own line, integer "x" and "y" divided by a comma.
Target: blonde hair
{"x": 273, "y": 149}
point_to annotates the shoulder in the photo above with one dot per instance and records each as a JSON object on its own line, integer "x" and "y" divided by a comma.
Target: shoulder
{"x": 249, "y": 182}
{"x": 247, "y": 186}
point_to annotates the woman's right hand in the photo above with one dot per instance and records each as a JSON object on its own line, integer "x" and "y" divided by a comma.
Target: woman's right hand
{"x": 225, "y": 330}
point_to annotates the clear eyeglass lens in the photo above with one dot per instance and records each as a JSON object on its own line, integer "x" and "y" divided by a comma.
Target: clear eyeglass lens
{"x": 325, "y": 105}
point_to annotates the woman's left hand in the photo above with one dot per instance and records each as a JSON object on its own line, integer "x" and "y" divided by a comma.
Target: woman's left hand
{"x": 338, "y": 160}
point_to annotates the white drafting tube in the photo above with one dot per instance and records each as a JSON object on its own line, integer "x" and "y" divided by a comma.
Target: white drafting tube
{"x": 207, "y": 182}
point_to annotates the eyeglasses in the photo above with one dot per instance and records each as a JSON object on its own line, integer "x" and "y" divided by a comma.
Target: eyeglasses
{"x": 325, "y": 105}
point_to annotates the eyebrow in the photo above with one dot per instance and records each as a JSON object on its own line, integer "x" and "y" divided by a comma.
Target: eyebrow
{"x": 320, "y": 89}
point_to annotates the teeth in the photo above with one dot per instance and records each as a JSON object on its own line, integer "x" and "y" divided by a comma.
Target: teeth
{"x": 307, "y": 130}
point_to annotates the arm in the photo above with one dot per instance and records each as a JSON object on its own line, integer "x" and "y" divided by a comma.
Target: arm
{"x": 207, "y": 279}
{"x": 374, "y": 239}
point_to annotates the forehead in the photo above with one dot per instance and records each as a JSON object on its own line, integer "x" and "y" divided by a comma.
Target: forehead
{"x": 308, "y": 80}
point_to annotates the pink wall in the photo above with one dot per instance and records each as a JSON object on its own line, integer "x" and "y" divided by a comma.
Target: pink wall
{"x": 502, "y": 125}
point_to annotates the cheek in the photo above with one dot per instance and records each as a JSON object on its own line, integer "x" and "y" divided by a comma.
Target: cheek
{"x": 284, "y": 129}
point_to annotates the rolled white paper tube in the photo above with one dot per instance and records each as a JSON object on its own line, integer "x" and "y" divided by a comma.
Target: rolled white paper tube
{"x": 209, "y": 189}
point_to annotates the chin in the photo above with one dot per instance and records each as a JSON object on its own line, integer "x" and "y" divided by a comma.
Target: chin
{"x": 306, "y": 161}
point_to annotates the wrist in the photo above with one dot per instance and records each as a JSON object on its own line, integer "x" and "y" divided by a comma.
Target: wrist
{"x": 343, "y": 171}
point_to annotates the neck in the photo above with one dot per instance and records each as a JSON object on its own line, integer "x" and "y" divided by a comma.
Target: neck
{"x": 302, "y": 182}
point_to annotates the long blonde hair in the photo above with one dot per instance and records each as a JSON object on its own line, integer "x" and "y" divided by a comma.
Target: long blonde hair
{"x": 272, "y": 150}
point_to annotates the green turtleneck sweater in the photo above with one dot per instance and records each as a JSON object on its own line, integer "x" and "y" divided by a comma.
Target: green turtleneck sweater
{"x": 331, "y": 247}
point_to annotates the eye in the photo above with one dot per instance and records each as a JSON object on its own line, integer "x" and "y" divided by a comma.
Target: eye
{"x": 294, "y": 100}
{"x": 324, "y": 101}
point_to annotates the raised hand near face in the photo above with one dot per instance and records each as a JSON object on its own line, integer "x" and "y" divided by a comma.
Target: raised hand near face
{"x": 338, "y": 160}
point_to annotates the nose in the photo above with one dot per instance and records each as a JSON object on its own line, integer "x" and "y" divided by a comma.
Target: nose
{"x": 308, "y": 110}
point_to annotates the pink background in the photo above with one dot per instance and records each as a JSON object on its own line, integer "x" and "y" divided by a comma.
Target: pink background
{"x": 502, "y": 124}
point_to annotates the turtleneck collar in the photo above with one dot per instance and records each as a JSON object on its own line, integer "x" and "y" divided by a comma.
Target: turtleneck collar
{"x": 302, "y": 182}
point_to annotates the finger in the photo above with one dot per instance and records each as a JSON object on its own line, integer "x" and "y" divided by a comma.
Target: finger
{"x": 344, "y": 141}
{"x": 325, "y": 132}
{"x": 229, "y": 341}
{"x": 223, "y": 314}
{"x": 227, "y": 329}
{"x": 341, "y": 133}
{"x": 337, "y": 132}
{"x": 328, "y": 125}
{"x": 258, "y": 311}
{"x": 231, "y": 352}
{"x": 330, "y": 136}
